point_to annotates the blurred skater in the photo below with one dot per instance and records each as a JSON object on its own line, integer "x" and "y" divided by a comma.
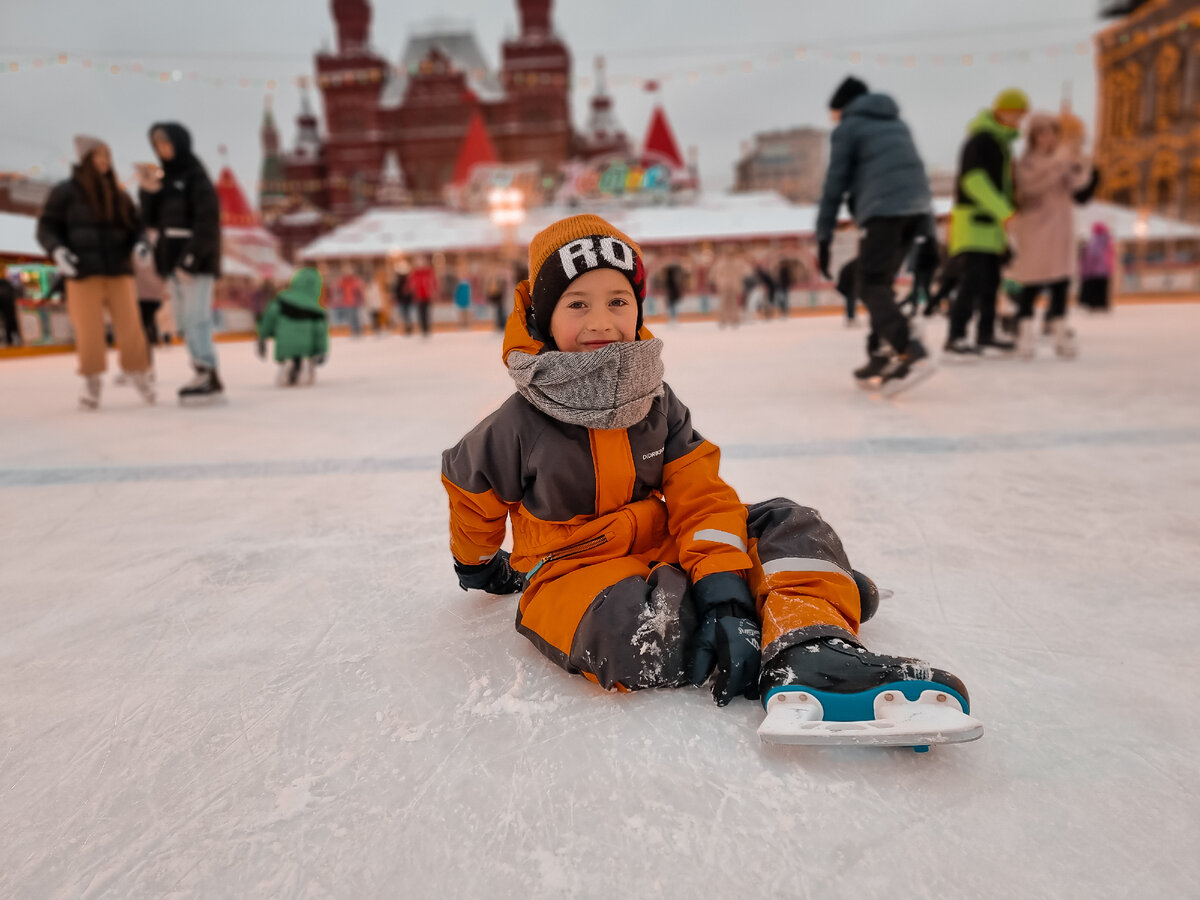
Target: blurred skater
{"x": 1095, "y": 269}
{"x": 91, "y": 229}
{"x": 300, "y": 327}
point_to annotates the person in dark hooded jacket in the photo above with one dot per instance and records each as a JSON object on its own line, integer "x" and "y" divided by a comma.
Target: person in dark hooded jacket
{"x": 181, "y": 205}
{"x": 875, "y": 168}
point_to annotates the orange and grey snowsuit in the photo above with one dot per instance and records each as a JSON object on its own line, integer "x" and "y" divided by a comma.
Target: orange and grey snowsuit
{"x": 614, "y": 526}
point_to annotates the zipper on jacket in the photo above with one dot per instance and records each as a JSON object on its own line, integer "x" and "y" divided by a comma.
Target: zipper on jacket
{"x": 570, "y": 550}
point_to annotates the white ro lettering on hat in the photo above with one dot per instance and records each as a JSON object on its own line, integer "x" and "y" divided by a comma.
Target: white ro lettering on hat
{"x": 582, "y": 248}
{"x": 585, "y": 249}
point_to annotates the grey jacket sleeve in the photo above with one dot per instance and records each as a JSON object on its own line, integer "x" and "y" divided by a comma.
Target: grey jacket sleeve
{"x": 838, "y": 178}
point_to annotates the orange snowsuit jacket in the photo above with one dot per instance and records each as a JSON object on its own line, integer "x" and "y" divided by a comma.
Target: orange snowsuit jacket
{"x": 591, "y": 508}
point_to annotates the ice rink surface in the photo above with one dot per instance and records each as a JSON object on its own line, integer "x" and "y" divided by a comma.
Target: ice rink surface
{"x": 234, "y": 660}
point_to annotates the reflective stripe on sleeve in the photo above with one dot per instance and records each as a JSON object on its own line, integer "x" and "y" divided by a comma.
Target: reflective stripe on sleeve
{"x": 719, "y": 537}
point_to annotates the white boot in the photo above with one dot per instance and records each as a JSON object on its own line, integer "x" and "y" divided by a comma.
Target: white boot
{"x": 1064, "y": 339}
{"x": 89, "y": 396}
{"x": 1026, "y": 338}
{"x": 144, "y": 382}
{"x": 309, "y": 373}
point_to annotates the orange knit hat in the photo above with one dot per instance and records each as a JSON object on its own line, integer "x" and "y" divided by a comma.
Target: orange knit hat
{"x": 571, "y": 247}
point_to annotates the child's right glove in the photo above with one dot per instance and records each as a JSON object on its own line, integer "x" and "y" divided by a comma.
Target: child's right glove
{"x": 495, "y": 576}
{"x": 728, "y": 638}
{"x": 261, "y": 349}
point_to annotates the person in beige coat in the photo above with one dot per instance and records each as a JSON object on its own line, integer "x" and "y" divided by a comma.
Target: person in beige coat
{"x": 1050, "y": 178}
{"x": 727, "y": 274}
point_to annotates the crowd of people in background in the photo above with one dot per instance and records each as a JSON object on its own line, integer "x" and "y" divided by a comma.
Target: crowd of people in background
{"x": 1010, "y": 239}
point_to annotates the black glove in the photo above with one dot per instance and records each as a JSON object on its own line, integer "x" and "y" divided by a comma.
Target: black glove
{"x": 823, "y": 260}
{"x": 319, "y": 359}
{"x": 495, "y": 576}
{"x": 728, "y": 638}
{"x": 261, "y": 349}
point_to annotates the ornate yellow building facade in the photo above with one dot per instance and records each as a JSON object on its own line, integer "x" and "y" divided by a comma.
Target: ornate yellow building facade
{"x": 1148, "y": 121}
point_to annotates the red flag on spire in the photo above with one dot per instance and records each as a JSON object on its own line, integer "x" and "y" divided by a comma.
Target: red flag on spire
{"x": 476, "y": 149}
{"x": 660, "y": 146}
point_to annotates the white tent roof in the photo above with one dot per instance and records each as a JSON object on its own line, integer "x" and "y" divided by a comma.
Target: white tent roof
{"x": 17, "y": 235}
{"x": 747, "y": 216}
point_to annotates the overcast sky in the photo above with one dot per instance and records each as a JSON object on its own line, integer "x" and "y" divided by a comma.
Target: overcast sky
{"x": 41, "y": 108}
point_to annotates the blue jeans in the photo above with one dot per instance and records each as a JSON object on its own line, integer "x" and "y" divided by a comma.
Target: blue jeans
{"x": 192, "y": 303}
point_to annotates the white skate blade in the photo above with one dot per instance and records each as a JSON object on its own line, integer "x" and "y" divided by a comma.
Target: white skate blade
{"x": 920, "y": 372}
{"x": 796, "y": 718}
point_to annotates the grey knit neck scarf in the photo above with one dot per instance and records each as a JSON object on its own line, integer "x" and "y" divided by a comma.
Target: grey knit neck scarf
{"x": 612, "y": 387}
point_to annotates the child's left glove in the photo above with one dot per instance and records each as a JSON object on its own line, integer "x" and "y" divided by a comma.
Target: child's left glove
{"x": 261, "y": 349}
{"x": 495, "y": 576}
{"x": 728, "y": 639}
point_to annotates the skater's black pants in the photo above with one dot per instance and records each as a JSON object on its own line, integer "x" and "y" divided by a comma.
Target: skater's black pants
{"x": 882, "y": 250}
{"x": 976, "y": 292}
{"x": 148, "y": 310}
{"x": 8, "y": 312}
{"x": 1058, "y": 299}
{"x": 405, "y": 304}
{"x": 423, "y": 315}
{"x": 1093, "y": 292}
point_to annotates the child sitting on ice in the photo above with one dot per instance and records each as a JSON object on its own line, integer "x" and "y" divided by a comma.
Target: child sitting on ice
{"x": 644, "y": 568}
{"x": 300, "y": 327}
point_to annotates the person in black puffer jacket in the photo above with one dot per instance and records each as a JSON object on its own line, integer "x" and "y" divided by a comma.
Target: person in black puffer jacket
{"x": 181, "y": 204}
{"x": 90, "y": 228}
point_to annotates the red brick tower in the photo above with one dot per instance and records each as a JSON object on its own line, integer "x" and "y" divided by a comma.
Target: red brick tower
{"x": 350, "y": 82}
{"x": 536, "y": 72}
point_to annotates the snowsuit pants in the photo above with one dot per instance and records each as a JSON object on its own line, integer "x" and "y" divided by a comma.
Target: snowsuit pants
{"x": 628, "y": 623}
{"x": 87, "y": 298}
{"x": 1058, "y": 299}
{"x": 882, "y": 249}
{"x": 976, "y": 292}
{"x": 1093, "y": 292}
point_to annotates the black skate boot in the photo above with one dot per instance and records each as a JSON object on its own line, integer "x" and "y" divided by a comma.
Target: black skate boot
{"x": 907, "y": 369}
{"x": 870, "y": 376}
{"x": 995, "y": 348}
{"x": 206, "y": 387}
{"x": 960, "y": 349}
{"x": 832, "y": 690}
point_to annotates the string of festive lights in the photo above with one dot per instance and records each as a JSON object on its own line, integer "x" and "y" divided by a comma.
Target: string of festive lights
{"x": 375, "y": 74}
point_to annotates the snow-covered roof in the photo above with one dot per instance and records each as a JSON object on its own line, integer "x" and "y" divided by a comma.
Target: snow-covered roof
{"x": 17, "y": 235}
{"x": 463, "y": 51}
{"x": 754, "y": 215}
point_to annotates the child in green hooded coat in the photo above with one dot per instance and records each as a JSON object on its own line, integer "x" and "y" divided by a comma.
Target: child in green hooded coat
{"x": 300, "y": 327}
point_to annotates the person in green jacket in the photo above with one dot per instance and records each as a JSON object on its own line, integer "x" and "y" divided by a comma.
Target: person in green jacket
{"x": 300, "y": 327}
{"x": 979, "y": 221}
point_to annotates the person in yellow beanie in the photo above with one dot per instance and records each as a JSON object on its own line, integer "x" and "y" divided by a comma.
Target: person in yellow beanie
{"x": 637, "y": 565}
{"x": 980, "y": 219}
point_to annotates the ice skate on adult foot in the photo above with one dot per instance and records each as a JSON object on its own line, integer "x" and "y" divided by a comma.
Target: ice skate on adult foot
{"x": 907, "y": 369}
{"x": 144, "y": 383}
{"x": 960, "y": 350}
{"x": 309, "y": 375}
{"x": 89, "y": 394}
{"x": 995, "y": 348}
{"x": 870, "y": 376}
{"x": 1064, "y": 339}
{"x": 833, "y": 691}
{"x": 206, "y": 387}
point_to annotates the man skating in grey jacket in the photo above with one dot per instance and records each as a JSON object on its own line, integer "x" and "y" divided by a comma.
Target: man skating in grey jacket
{"x": 875, "y": 168}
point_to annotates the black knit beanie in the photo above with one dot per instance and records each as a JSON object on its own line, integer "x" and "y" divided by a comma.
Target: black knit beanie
{"x": 847, "y": 91}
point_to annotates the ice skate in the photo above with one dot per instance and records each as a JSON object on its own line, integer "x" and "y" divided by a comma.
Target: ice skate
{"x": 308, "y": 375}
{"x": 1026, "y": 339}
{"x": 1064, "y": 339}
{"x": 833, "y": 691}
{"x": 89, "y": 394}
{"x": 907, "y": 369}
{"x": 995, "y": 348}
{"x": 144, "y": 383}
{"x": 870, "y": 376}
{"x": 204, "y": 388}
{"x": 960, "y": 350}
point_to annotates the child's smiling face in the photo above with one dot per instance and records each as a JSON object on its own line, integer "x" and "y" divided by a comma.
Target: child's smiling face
{"x": 598, "y": 308}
